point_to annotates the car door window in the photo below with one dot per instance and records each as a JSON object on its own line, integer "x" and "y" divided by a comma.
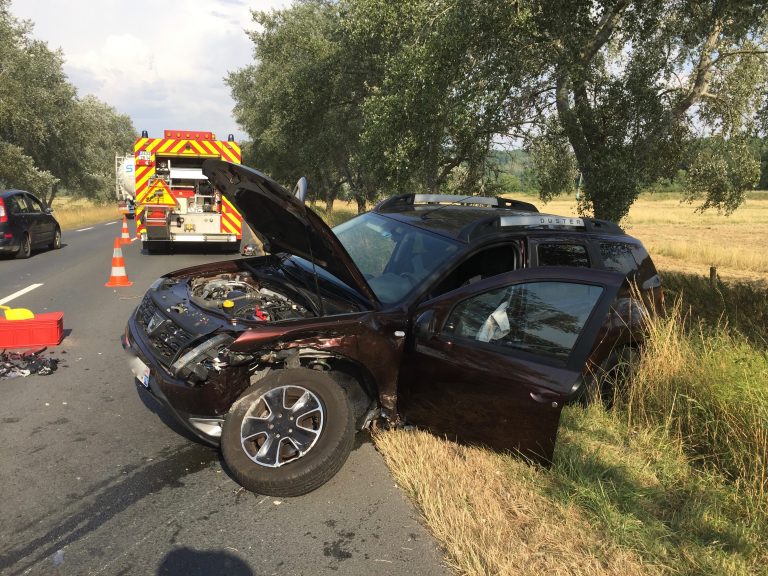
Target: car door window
{"x": 558, "y": 254}
{"x": 34, "y": 205}
{"x": 543, "y": 318}
{"x": 484, "y": 264}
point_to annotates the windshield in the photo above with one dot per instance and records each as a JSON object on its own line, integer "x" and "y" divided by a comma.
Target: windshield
{"x": 395, "y": 258}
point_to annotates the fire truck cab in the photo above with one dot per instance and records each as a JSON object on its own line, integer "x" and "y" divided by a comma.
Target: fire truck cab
{"x": 175, "y": 202}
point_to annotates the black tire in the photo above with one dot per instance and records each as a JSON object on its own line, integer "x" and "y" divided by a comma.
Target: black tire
{"x": 301, "y": 472}
{"x": 25, "y": 250}
{"x": 56, "y": 242}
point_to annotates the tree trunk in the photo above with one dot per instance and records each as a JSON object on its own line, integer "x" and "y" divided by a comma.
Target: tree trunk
{"x": 51, "y": 195}
{"x": 360, "y": 199}
{"x": 330, "y": 198}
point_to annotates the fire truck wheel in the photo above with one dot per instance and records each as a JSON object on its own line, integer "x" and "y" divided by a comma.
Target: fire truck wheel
{"x": 289, "y": 433}
{"x": 25, "y": 250}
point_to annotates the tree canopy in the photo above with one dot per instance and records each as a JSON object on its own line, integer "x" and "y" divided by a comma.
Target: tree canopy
{"x": 380, "y": 97}
{"x": 49, "y": 137}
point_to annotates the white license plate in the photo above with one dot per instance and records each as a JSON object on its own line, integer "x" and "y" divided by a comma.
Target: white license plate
{"x": 140, "y": 370}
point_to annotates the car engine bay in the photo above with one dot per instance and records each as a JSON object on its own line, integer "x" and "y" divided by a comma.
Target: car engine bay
{"x": 240, "y": 296}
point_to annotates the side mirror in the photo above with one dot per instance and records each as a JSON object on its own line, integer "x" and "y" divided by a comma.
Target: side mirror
{"x": 48, "y": 210}
{"x": 425, "y": 325}
{"x": 300, "y": 190}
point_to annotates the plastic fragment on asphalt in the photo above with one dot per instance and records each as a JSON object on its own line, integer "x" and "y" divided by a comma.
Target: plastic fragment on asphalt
{"x": 58, "y": 558}
{"x": 20, "y": 364}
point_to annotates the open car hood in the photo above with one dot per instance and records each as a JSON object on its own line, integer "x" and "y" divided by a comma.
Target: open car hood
{"x": 284, "y": 222}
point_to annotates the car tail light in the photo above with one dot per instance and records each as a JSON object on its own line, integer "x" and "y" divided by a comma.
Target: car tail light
{"x": 3, "y": 215}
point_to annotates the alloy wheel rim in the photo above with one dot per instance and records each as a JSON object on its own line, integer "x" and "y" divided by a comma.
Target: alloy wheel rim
{"x": 282, "y": 425}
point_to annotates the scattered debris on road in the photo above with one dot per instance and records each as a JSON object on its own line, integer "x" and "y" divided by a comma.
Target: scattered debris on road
{"x": 19, "y": 364}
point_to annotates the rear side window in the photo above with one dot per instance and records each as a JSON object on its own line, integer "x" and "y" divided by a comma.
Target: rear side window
{"x": 16, "y": 204}
{"x": 618, "y": 257}
{"x": 563, "y": 255}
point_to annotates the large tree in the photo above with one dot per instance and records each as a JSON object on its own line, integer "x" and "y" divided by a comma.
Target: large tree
{"x": 33, "y": 96}
{"x": 452, "y": 80}
{"x": 635, "y": 82}
{"x": 300, "y": 101}
{"x": 50, "y": 138}
{"x": 378, "y": 97}
{"x": 615, "y": 94}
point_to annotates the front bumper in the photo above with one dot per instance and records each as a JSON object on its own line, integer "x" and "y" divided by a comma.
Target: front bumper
{"x": 199, "y": 408}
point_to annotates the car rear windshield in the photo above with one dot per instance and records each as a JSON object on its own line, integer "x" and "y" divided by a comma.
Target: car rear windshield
{"x": 395, "y": 258}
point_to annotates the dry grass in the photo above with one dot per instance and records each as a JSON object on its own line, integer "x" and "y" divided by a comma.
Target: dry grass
{"x": 76, "y": 212}
{"x": 683, "y": 240}
{"x": 492, "y": 516}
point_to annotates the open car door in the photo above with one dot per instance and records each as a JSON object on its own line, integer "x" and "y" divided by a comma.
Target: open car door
{"x": 493, "y": 362}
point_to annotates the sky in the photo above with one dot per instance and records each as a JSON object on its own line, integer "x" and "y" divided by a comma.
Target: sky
{"x": 163, "y": 63}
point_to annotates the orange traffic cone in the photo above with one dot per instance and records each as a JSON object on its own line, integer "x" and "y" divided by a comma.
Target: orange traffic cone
{"x": 125, "y": 236}
{"x": 118, "y": 277}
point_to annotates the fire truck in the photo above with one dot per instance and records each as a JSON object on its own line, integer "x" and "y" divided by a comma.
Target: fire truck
{"x": 175, "y": 202}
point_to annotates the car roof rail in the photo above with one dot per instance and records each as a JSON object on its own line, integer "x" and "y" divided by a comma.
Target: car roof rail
{"x": 538, "y": 221}
{"x": 455, "y": 200}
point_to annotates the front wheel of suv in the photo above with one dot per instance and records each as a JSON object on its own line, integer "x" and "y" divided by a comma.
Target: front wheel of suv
{"x": 289, "y": 433}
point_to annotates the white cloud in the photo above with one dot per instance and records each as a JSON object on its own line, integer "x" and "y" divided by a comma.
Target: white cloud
{"x": 162, "y": 62}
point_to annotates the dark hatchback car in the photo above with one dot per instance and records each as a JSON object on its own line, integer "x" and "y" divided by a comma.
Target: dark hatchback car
{"x": 26, "y": 223}
{"x": 476, "y": 318}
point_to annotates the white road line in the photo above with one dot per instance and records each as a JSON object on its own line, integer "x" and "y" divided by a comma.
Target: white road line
{"x": 84, "y": 229}
{"x": 20, "y": 293}
{"x": 134, "y": 239}
{"x": 110, "y": 223}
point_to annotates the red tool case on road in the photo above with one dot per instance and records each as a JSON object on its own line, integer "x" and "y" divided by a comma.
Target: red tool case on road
{"x": 42, "y": 330}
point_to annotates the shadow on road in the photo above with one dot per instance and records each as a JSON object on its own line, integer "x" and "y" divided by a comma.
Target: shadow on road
{"x": 190, "y": 562}
{"x": 101, "y": 502}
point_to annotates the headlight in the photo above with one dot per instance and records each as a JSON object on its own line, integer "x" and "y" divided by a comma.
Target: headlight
{"x": 207, "y": 350}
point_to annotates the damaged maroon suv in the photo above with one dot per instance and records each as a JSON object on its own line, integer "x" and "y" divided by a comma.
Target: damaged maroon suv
{"x": 476, "y": 318}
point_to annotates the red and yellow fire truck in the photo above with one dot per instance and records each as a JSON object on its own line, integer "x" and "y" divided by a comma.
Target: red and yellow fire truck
{"x": 174, "y": 200}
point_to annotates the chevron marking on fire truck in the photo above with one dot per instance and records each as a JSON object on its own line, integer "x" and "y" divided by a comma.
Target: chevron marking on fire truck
{"x": 231, "y": 220}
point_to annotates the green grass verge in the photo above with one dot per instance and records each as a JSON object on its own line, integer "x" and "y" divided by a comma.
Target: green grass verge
{"x": 639, "y": 487}
{"x": 727, "y": 307}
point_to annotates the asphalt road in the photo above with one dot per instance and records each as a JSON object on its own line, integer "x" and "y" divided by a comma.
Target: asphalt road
{"x": 95, "y": 479}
